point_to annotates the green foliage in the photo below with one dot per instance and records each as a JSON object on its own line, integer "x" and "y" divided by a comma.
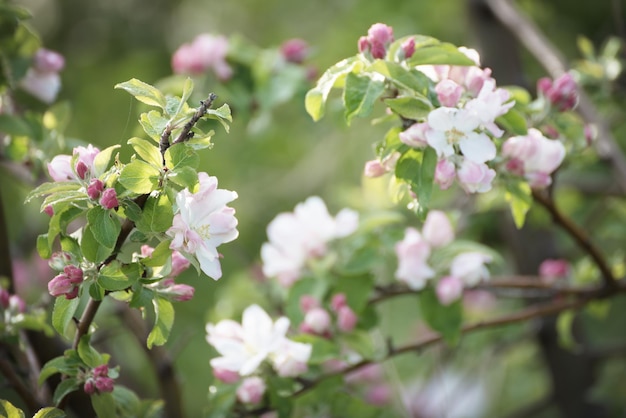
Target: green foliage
{"x": 446, "y": 320}
{"x": 360, "y": 94}
{"x": 63, "y": 313}
{"x": 164, "y": 319}
{"x": 518, "y": 195}
{"x": 8, "y": 410}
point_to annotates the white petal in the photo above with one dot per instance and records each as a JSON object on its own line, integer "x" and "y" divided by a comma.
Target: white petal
{"x": 478, "y": 147}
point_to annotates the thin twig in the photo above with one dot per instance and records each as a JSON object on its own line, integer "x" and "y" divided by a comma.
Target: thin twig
{"x": 555, "y": 64}
{"x": 186, "y": 133}
{"x": 580, "y": 236}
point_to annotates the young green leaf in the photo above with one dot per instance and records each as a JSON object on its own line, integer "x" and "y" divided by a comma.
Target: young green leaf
{"x": 104, "y": 226}
{"x": 360, "y": 94}
{"x": 410, "y": 107}
{"x": 164, "y": 319}
{"x": 441, "y": 54}
{"x": 519, "y": 196}
{"x": 50, "y": 412}
{"x": 104, "y": 405}
{"x": 87, "y": 353}
{"x": 63, "y": 312}
{"x": 139, "y": 177}
{"x": 147, "y": 151}
{"x": 157, "y": 214}
{"x": 8, "y": 410}
{"x": 143, "y": 92}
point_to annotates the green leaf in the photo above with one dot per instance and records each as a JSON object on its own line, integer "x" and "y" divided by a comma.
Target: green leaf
{"x": 50, "y": 188}
{"x": 157, "y": 214}
{"x": 514, "y": 122}
{"x": 164, "y": 319}
{"x": 92, "y": 250}
{"x": 63, "y": 312}
{"x": 222, "y": 115}
{"x": 143, "y": 92}
{"x": 323, "y": 349}
{"x": 153, "y": 123}
{"x": 13, "y": 125}
{"x": 411, "y": 80}
{"x": 414, "y": 108}
{"x": 315, "y": 100}
{"x": 104, "y": 226}
{"x": 50, "y": 412}
{"x": 440, "y": 54}
{"x": 564, "y": 329}
{"x": 64, "y": 364}
{"x": 87, "y": 353}
{"x": 519, "y": 196}
{"x": 221, "y": 400}
{"x": 446, "y": 320}
{"x": 111, "y": 277}
{"x": 356, "y": 288}
{"x": 185, "y": 177}
{"x": 344, "y": 405}
{"x": 427, "y": 177}
{"x": 104, "y": 405}
{"x": 102, "y": 159}
{"x": 360, "y": 94}
{"x": 147, "y": 151}
{"x": 126, "y": 401}
{"x": 359, "y": 341}
{"x": 8, "y": 410}
{"x": 140, "y": 177}
{"x": 180, "y": 155}
{"x": 44, "y": 247}
{"x": 159, "y": 256}
{"x": 306, "y": 286}
{"x": 66, "y": 387}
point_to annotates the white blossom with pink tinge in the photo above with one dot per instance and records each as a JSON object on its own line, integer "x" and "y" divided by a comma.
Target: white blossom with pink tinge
{"x": 539, "y": 156}
{"x": 243, "y": 347}
{"x": 437, "y": 229}
{"x": 61, "y": 169}
{"x": 204, "y": 222}
{"x": 413, "y": 252}
{"x": 205, "y": 52}
{"x": 490, "y": 103}
{"x": 300, "y": 235}
{"x": 470, "y": 267}
{"x": 475, "y": 177}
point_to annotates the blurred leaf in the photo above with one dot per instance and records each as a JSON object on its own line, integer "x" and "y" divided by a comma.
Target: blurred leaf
{"x": 222, "y": 115}
{"x": 50, "y": 412}
{"x": 356, "y": 288}
{"x": 50, "y": 188}
{"x": 66, "y": 364}
{"x": 323, "y": 349}
{"x": 221, "y": 400}
{"x": 514, "y": 122}
{"x": 8, "y": 410}
{"x": 87, "y": 353}
{"x": 147, "y": 151}
{"x": 585, "y": 46}
{"x": 441, "y": 54}
{"x": 414, "y": 108}
{"x": 66, "y": 387}
{"x": 345, "y": 405}
{"x": 58, "y": 116}
{"x": 519, "y": 196}
{"x": 407, "y": 79}
{"x": 63, "y": 312}
{"x": 104, "y": 226}
{"x": 126, "y": 401}
{"x": 159, "y": 256}
{"x": 564, "y": 324}
{"x": 315, "y": 100}
{"x": 306, "y": 286}
{"x": 14, "y": 125}
{"x": 104, "y": 405}
{"x": 360, "y": 94}
{"x": 360, "y": 342}
{"x": 143, "y": 92}
{"x": 446, "y": 320}
{"x": 139, "y": 177}
{"x": 157, "y": 214}
{"x": 164, "y": 319}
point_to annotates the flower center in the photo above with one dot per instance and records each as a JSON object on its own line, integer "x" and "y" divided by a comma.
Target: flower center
{"x": 203, "y": 231}
{"x": 453, "y": 136}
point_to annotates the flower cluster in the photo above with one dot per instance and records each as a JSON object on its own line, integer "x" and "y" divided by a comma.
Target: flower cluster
{"x": 301, "y": 235}
{"x": 378, "y": 39}
{"x": 42, "y": 79}
{"x": 98, "y": 380}
{"x": 318, "y": 320}
{"x": 205, "y": 52}
{"x": 243, "y": 347}
{"x": 167, "y": 287}
{"x": 204, "y": 222}
{"x": 414, "y": 251}
{"x": 562, "y": 93}
{"x": 66, "y": 283}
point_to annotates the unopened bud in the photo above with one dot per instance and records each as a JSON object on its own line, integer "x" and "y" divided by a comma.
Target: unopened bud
{"x": 346, "y": 319}
{"x": 95, "y": 188}
{"x": 81, "y": 169}
{"x": 109, "y": 199}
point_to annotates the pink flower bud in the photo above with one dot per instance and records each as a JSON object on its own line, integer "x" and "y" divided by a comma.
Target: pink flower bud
{"x": 564, "y": 92}
{"x": 544, "y": 85}
{"x": 101, "y": 371}
{"x": 380, "y": 33}
{"x": 61, "y": 285}
{"x": 475, "y": 177}
{"x": 449, "y": 289}
{"x": 295, "y": 50}
{"x": 60, "y": 168}
{"x": 448, "y": 92}
{"x": 374, "y": 169}
{"x": 408, "y": 47}
{"x": 338, "y": 301}
{"x": 226, "y": 376}
{"x": 89, "y": 387}
{"x": 415, "y": 135}
{"x": 437, "y": 230}
{"x": 364, "y": 44}
{"x": 109, "y": 199}
{"x": 551, "y": 131}
{"x": 81, "y": 169}
{"x": 47, "y": 61}
{"x": 179, "y": 263}
{"x": 378, "y": 395}
{"x": 4, "y": 298}
{"x": 95, "y": 188}
{"x": 178, "y": 292}
{"x": 49, "y": 210}
{"x": 318, "y": 320}
{"x": 251, "y": 390}
{"x": 308, "y": 302}
{"x": 346, "y": 319}
{"x": 73, "y": 273}
{"x": 515, "y": 166}
{"x": 445, "y": 172}
{"x": 551, "y": 270}
{"x": 105, "y": 384}
{"x": 17, "y": 304}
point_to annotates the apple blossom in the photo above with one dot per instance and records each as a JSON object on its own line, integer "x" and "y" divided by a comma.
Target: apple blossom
{"x": 295, "y": 50}
{"x": 379, "y": 37}
{"x": 226, "y": 376}
{"x": 448, "y": 92}
{"x": 42, "y": 79}
{"x": 60, "y": 167}
{"x": 450, "y": 127}
{"x": 539, "y": 156}
{"x": 316, "y": 321}
{"x": 445, "y": 173}
{"x": 415, "y": 135}
{"x": 449, "y": 289}
{"x": 475, "y": 177}
{"x": 244, "y": 347}
{"x": 490, "y": 103}
{"x": 562, "y": 93}
{"x": 413, "y": 252}
{"x": 373, "y": 169}
{"x": 470, "y": 267}
{"x": 109, "y": 199}
{"x": 203, "y": 222}
{"x": 251, "y": 390}
{"x": 296, "y": 237}
{"x": 346, "y": 319}
{"x": 437, "y": 229}
{"x": 95, "y": 188}
{"x": 551, "y": 270}
{"x": 205, "y": 52}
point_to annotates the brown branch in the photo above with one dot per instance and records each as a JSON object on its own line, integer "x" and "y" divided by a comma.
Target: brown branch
{"x": 581, "y": 238}
{"x": 26, "y": 393}
{"x": 6, "y": 268}
{"x": 555, "y": 64}
{"x": 186, "y": 133}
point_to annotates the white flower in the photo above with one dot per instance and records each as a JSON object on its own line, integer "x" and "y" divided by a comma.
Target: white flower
{"x": 413, "y": 252}
{"x": 450, "y": 127}
{"x": 470, "y": 267}
{"x": 244, "y": 347}
{"x": 296, "y": 237}
{"x": 204, "y": 222}
{"x": 490, "y": 104}
{"x": 437, "y": 229}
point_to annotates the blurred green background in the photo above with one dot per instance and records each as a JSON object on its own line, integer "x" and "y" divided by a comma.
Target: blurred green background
{"x": 110, "y": 41}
